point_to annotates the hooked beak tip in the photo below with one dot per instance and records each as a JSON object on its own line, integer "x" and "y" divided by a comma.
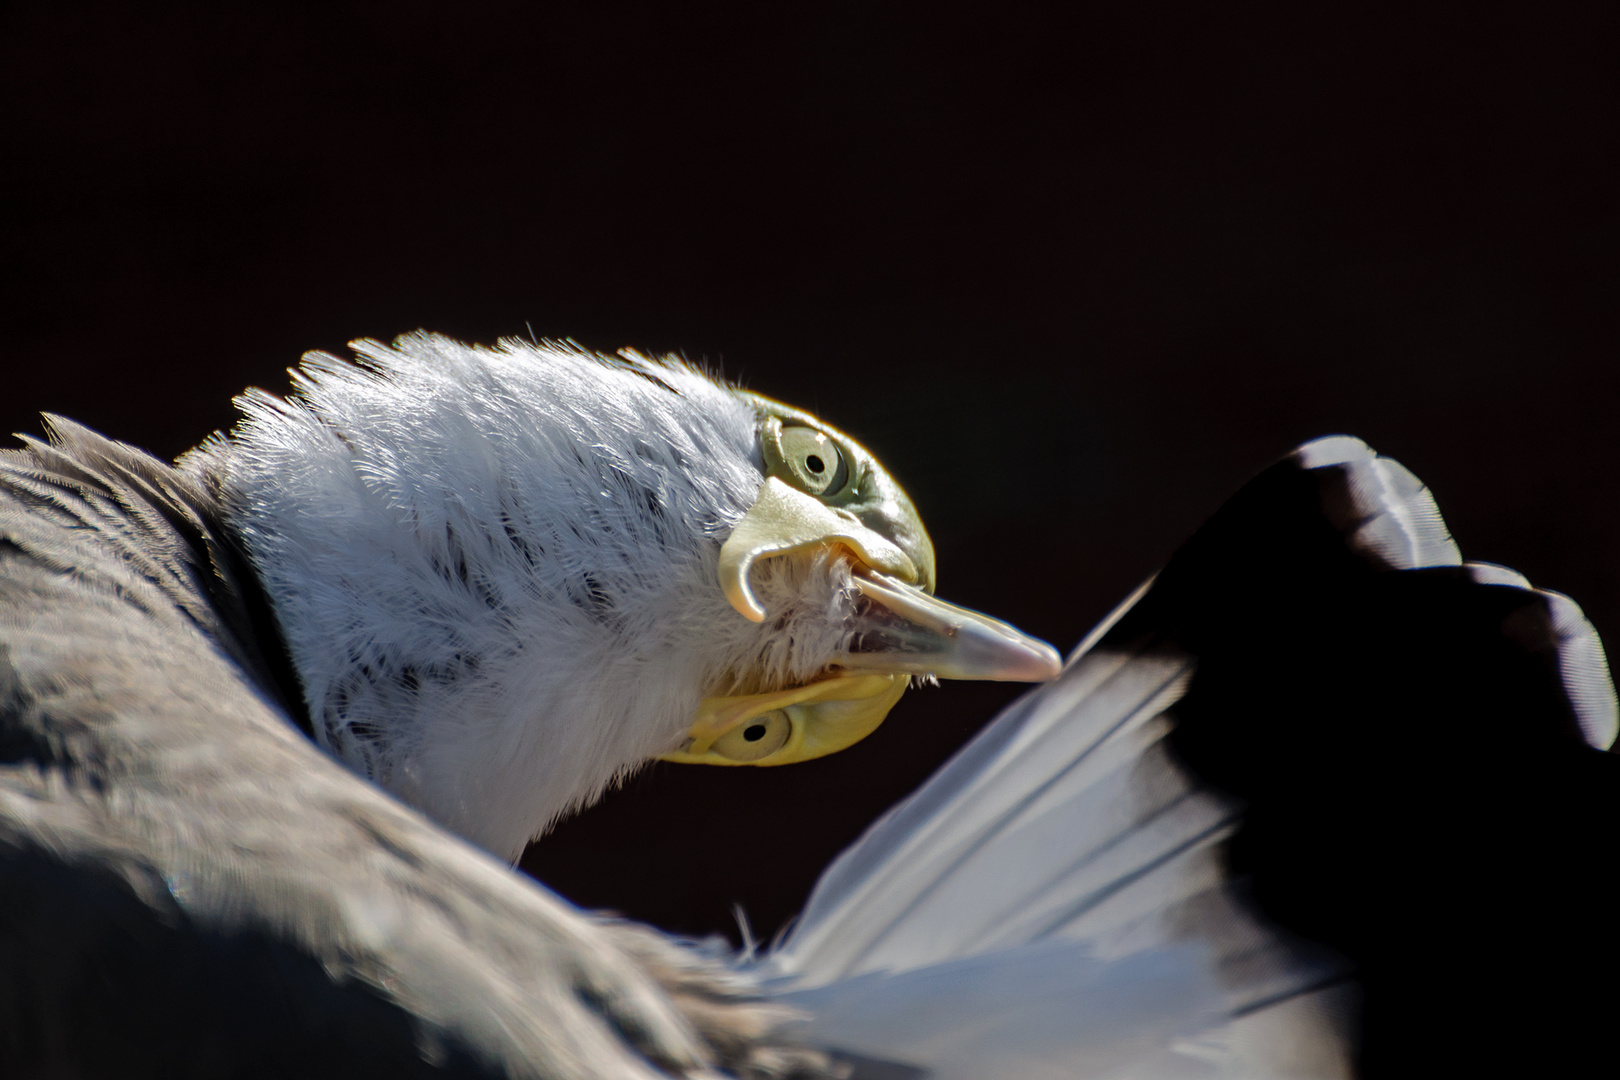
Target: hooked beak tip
{"x": 903, "y": 629}
{"x": 1040, "y": 663}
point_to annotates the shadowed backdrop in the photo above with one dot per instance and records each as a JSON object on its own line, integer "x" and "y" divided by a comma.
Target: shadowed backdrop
{"x": 1073, "y": 276}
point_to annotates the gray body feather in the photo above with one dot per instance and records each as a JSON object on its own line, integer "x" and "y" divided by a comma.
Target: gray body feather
{"x": 191, "y": 887}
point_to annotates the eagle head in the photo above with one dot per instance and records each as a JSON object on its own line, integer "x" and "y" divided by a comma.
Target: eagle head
{"x": 507, "y": 577}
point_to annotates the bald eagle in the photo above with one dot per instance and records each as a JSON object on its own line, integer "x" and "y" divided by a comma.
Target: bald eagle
{"x": 277, "y": 718}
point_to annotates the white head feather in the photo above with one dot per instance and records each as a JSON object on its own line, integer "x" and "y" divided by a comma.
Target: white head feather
{"x": 496, "y": 568}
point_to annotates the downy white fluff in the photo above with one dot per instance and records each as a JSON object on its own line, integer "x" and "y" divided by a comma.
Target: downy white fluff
{"x": 495, "y": 568}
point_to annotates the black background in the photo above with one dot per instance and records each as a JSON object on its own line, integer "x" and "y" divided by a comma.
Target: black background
{"x": 1072, "y": 274}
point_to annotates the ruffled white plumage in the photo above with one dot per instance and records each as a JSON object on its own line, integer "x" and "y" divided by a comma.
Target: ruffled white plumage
{"x": 495, "y": 568}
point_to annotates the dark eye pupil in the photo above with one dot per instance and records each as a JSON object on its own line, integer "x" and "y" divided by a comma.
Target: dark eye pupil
{"x": 754, "y": 732}
{"x": 815, "y": 464}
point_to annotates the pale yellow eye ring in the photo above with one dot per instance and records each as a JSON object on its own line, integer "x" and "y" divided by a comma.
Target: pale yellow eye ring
{"x": 757, "y": 738}
{"x": 814, "y": 462}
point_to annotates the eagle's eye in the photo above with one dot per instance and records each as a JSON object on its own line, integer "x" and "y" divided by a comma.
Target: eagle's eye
{"x": 815, "y": 462}
{"x": 756, "y": 738}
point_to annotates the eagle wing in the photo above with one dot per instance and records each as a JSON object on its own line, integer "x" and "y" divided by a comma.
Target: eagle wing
{"x": 1318, "y": 798}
